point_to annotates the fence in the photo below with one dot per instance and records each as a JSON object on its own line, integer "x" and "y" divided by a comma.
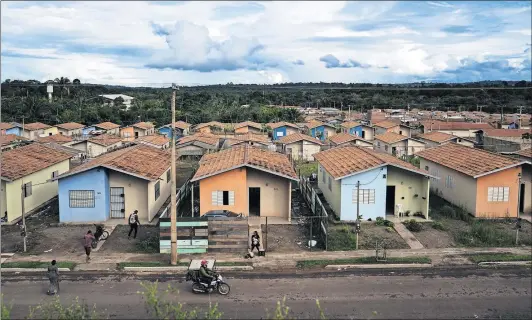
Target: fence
{"x": 181, "y": 194}
{"x": 317, "y": 223}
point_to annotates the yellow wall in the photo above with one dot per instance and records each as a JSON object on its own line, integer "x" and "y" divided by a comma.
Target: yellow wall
{"x": 165, "y": 190}
{"x": 407, "y": 184}
{"x": 333, "y": 196}
{"x": 66, "y": 132}
{"x": 51, "y": 131}
{"x": 135, "y": 193}
{"x": 234, "y": 180}
{"x": 274, "y": 193}
{"x": 505, "y": 178}
{"x": 40, "y": 193}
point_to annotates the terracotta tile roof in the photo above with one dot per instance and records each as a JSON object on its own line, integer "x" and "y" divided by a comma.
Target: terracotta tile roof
{"x": 57, "y": 138}
{"x": 386, "y": 124}
{"x": 5, "y": 126}
{"x": 158, "y": 139}
{"x": 248, "y": 124}
{"x": 344, "y": 161}
{"x": 441, "y": 125}
{"x": 141, "y": 161}
{"x": 315, "y": 124}
{"x": 20, "y": 162}
{"x": 295, "y": 137}
{"x": 525, "y": 152}
{"x": 342, "y": 138}
{"x": 275, "y": 125}
{"x": 11, "y": 138}
{"x": 212, "y": 140}
{"x": 390, "y": 137}
{"x": 515, "y": 133}
{"x": 36, "y": 126}
{"x": 210, "y": 124}
{"x": 470, "y": 161}
{"x": 239, "y": 156}
{"x": 180, "y": 124}
{"x": 437, "y": 136}
{"x": 350, "y": 124}
{"x": 143, "y": 125}
{"x": 60, "y": 147}
{"x": 105, "y": 140}
{"x": 70, "y": 126}
{"x": 248, "y": 137}
{"x": 107, "y": 125}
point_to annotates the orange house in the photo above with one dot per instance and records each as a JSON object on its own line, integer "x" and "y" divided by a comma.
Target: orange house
{"x": 248, "y": 127}
{"x": 486, "y": 184}
{"x": 245, "y": 180}
{"x": 127, "y": 133}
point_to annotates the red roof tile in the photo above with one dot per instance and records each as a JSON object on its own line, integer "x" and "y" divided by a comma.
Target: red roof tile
{"x": 57, "y": 138}
{"x": 386, "y": 124}
{"x": 159, "y": 140}
{"x": 275, "y": 125}
{"x": 390, "y": 137}
{"x": 295, "y": 137}
{"x": 350, "y": 124}
{"x": 11, "y": 138}
{"x": 437, "y": 136}
{"x": 5, "y": 126}
{"x": 441, "y": 125}
{"x": 512, "y": 133}
{"x": 342, "y": 138}
{"x": 36, "y": 126}
{"x": 70, "y": 126}
{"x": 248, "y": 124}
{"x": 107, "y": 125}
{"x": 105, "y": 140}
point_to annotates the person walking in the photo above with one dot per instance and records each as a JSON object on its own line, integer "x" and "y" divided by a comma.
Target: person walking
{"x": 53, "y": 276}
{"x": 255, "y": 241}
{"x": 133, "y": 224}
{"x": 88, "y": 238}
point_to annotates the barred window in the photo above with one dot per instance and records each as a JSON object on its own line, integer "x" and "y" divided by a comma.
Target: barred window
{"x": 367, "y": 196}
{"x": 157, "y": 190}
{"x": 55, "y": 174}
{"x": 168, "y": 176}
{"x": 81, "y": 198}
{"x": 28, "y": 189}
{"x": 498, "y": 194}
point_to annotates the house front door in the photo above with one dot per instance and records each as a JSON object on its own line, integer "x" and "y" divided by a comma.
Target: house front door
{"x": 118, "y": 208}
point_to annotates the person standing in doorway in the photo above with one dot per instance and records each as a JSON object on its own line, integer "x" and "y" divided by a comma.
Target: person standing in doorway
{"x": 88, "y": 239}
{"x": 133, "y": 224}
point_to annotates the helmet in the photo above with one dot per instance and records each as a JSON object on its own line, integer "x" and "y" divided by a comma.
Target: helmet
{"x": 203, "y": 262}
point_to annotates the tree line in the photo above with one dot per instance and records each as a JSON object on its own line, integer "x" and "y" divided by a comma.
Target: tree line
{"x": 81, "y": 102}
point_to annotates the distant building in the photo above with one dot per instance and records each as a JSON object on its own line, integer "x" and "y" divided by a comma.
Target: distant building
{"x": 182, "y": 129}
{"x": 110, "y": 98}
{"x": 70, "y": 129}
{"x": 282, "y": 129}
{"x": 300, "y": 146}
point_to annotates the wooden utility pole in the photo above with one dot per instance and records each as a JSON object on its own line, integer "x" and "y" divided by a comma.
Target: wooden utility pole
{"x": 358, "y": 213}
{"x": 173, "y": 200}
{"x": 22, "y": 197}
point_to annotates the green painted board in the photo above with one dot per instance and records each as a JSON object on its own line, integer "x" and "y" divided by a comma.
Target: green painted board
{"x": 186, "y": 224}
{"x": 202, "y": 242}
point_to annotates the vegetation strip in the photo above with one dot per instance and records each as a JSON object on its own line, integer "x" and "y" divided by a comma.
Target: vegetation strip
{"x": 498, "y": 257}
{"x": 362, "y": 260}
{"x": 148, "y": 264}
{"x": 37, "y": 264}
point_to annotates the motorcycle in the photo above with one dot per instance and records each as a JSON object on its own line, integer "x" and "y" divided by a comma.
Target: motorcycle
{"x": 100, "y": 235}
{"x": 200, "y": 286}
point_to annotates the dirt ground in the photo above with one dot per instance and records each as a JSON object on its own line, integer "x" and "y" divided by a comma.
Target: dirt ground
{"x": 431, "y": 238}
{"x": 43, "y": 238}
{"x": 285, "y": 238}
{"x": 370, "y": 233}
{"x": 147, "y": 241}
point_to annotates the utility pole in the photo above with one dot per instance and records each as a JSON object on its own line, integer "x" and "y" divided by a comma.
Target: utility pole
{"x": 358, "y": 214}
{"x": 520, "y": 110}
{"x": 22, "y": 197}
{"x": 518, "y": 225}
{"x": 173, "y": 201}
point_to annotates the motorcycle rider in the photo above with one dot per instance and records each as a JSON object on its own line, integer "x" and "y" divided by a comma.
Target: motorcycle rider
{"x": 206, "y": 274}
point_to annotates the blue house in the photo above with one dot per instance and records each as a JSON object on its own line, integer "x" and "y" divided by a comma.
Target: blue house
{"x": 114, "y": 185}
{"x": 182, "y": 129}
{"x": 358, "y": 129}
{"x": 321, "y": 130}
{"x": 282, "y": 129}
{"x": 16, "y": 129}
{"x": 387, "y": 185}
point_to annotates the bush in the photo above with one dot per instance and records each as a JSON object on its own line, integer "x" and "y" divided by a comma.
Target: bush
{"x": 413, "y": 225}
{"x": 448, "y": 211}
{"x": 438, "y": 226}
{"x": 389, "y": 229}
{"x": 340, "y": 240}
{"x": 388, "y": 223}
{"x": 419, "y": 214}
{"x": 485, "y": 234}
{"x": 379, "y": 221}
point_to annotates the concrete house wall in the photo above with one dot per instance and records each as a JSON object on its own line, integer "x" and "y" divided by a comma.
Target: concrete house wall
{"x": 461, "y": 193}
{"x": 372, "y": 179}
{"x": 94, "y": 149}
{"x": 504, "y": 178}
{"x": 324, "y": 130}
{"x": 50, "y": 131}
{"x": 415, "y": 147}
{"x": 283, "y": 131}
{"x": 15, "y": 130}
{"x": 379, "y": 130}
{"x": 333, "y": 195}
{"x": 71, "y": 132}
{"x": 165, "y": 189}
{"x": 303, "y": 150}
{"x": 96, "y": 180}
{"x": 3, "y": 198}
{"x": 135, "y": 193}
{"x": 233, "y": 180}
{"x": 407, "y": 186}
{"x": 275, "y": 193}
{"x": 41, "y": 191}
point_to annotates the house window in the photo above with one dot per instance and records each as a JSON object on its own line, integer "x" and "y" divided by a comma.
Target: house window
{"x": 329, "y": 184}
{"x": 498, "y": 194}
{"x": 385, "y": 148}
{"x": 323, "y": 175}
{"x": 449, "y": 182}
{"x": 157, "y": 190}
{"x": 168, "y": 176}
{"x": 223, "y": 198}
{"x": 55, "y": 174}
{"x": 367, "y": 196}
{"x": 81, "y": 198}
{"x": 400, "y": 132}
{"x": 426, "y": 168}
{"x": 28, "y": 190}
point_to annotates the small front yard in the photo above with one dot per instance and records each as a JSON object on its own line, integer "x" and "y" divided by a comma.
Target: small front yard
{"x": 37, "y": 264}
{"x": 498, "y": 257}
{"x": 342, "y": 237}
{"x": 452, "y": 227}
{"x": 362, "y": 260}
{"x": 285, "y": 238}
{"x": 307, "y": 168}
{"x": 147, "y": 240}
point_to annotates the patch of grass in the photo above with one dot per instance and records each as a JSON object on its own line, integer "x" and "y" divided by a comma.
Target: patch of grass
{"x": 232, "y": 264}
{"x": 438, "y": 226}
{"x": 147, "y": 264}
{"x": 484, "y": 233}
{"x": 413, "y": 225}
{"x": 362, "y": 260}
{"x": 37, "y": 264}
{"x": 149, "y": 245}
{"x": 341, "y": 240}
{"x": 306, "y": 169}
{"x": 498, "y": 257}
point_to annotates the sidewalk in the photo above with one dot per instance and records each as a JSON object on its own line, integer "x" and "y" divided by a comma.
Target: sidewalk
{"x": 271, "y": 260}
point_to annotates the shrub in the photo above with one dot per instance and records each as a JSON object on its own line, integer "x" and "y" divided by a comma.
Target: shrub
{"x": 407, "y": 213}
{"x": 389, "y": 229}
{"x": 419, "y": 214}
{"x": 438, "y": 226}
{"x": 413, "y": 225}
{"x": 379, "y": 221}
{"x": 388, "y": 223}
{"x": 448, "y": 211}
{"x": 484, "y": 234}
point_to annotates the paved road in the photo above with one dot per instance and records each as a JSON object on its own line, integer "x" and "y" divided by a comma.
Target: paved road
{"x": 502, "y": 293}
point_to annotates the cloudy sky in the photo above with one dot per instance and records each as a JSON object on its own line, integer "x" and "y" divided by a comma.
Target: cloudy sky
{"x": 211, "y": 42}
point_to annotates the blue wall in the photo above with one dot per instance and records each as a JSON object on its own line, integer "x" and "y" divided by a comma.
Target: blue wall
{"x": 15, "y": 130}
{"x": 314, "y": 132}
{"x": 369, "y": 180}
{"x": 166, "y": 131}
{"x": 356, "y": 131}
{"x": 95, "y": 179}
{"x": 279, "y": 130}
